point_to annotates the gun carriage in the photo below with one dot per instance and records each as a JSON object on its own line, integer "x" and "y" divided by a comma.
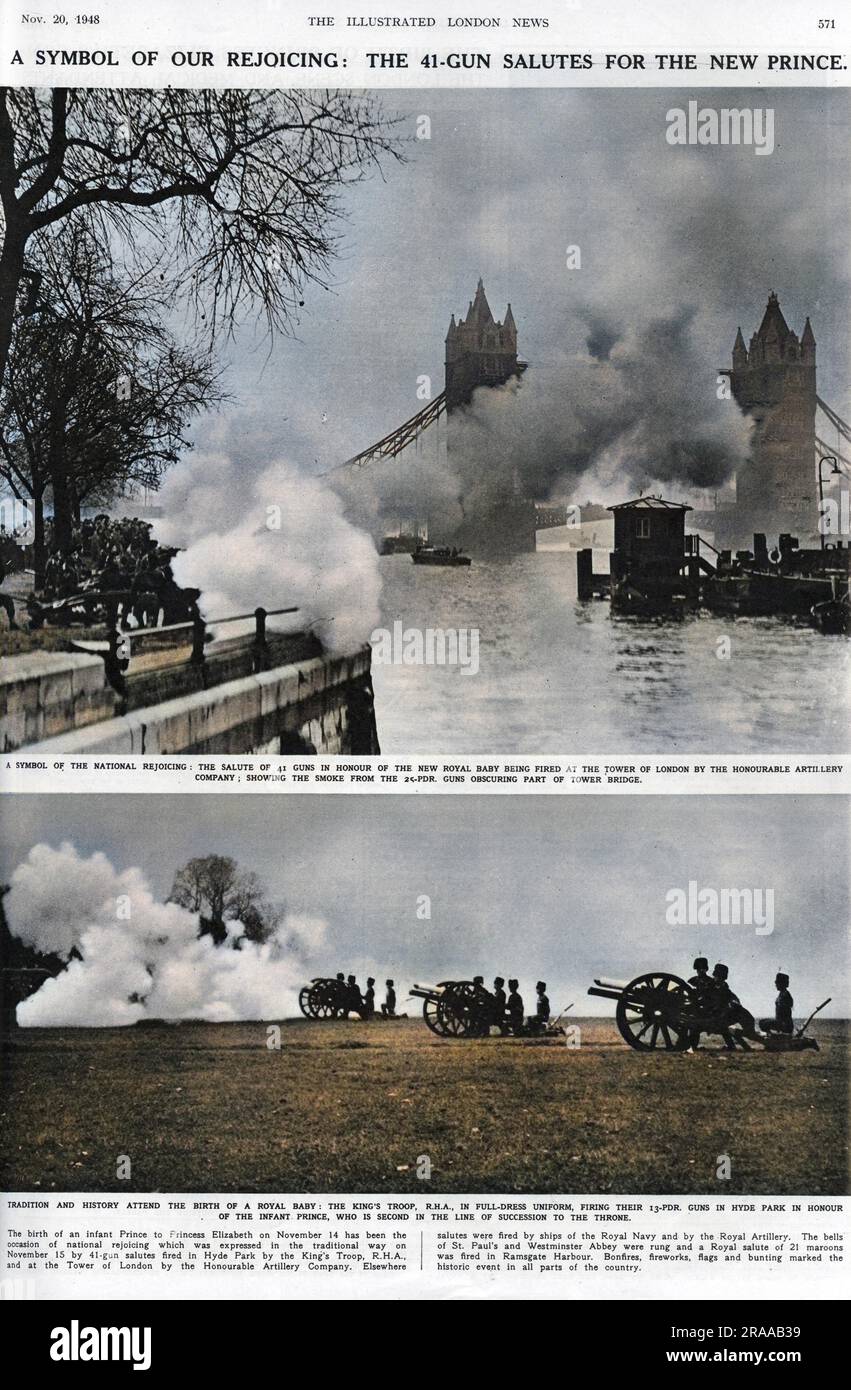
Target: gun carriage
{"x": 455, "y": 1008}
{"x": 324, "y": 997}
{"x": 661, "y": 1012}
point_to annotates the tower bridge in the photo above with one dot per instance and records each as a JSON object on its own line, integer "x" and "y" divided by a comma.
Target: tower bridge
{"x": 773, "y": 380}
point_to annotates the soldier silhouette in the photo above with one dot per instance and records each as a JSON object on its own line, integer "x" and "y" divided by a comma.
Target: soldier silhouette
{"x": 541, "y": 1017}
{"x": 735, "y": 1011}
{"x": 499, "y": 1004}
{"x": 703, "y": 984}
{"x": 783, "y": 1004}
{"x": 515, "y": 1007}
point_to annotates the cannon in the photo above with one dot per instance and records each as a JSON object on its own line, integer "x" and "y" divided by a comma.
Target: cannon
{"x": 455, "y": 1008}
{"x": 659, "y": 1011}
{"x": 324, "y": 998}
{"x": 655, "y": 1011}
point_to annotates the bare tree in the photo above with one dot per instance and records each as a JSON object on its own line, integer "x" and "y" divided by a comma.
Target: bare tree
{"x": 241, "y": 186}
{"x": 220, "y": 891}
{"x": 97, "y": 394}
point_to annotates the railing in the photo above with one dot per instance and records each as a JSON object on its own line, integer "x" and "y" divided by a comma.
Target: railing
{"x": 116, "y": 654}
{"x": 198, "y": 626}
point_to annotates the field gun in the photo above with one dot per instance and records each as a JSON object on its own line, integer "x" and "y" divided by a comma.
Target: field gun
{"x": 659, "y": 1011}
{"x": 654, "y": 1011}
{"x": 455, "y": 1008}
{"x": 324, "y": 998}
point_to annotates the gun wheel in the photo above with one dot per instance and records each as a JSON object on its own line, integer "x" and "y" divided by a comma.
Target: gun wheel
{"x": 304, "y": 1001}
{"x": 652, "y": 1013}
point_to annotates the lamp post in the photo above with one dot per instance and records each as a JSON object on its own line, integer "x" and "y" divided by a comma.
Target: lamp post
{"x": 834, "y": 470}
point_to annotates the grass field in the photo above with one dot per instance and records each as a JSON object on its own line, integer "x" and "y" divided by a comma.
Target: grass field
{"x": 350, "y": 1108}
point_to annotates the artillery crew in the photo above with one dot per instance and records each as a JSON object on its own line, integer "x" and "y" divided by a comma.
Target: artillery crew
{"x": 515, "y": 1008}
{"x": 783, "y": 1004}
{"x": 498, "y": 1013}
{"x": 388, "y": 1008}
{"x": 541, "y": 1017}
{"x": 736, "y": 1011}
{"x": 703, "y": 984}
{"x": 368, "y": 1004}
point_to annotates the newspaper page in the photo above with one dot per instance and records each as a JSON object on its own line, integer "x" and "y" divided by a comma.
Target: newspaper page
{"x": 424, "y": 473}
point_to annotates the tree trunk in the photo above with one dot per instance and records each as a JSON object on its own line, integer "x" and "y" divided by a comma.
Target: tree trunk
{"x": 11, "y": 268}
{"x": 39, "y": 557}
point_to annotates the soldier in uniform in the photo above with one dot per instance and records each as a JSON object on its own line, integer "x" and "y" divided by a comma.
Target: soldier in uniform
{"x": 388, "y": 1008}
{"x": 539, "y": 1020}
{"x": 735, "y": 1011}
{"x": 484, "y": 1007}
{"x": 368, "y": 1005}
{"x": 782, "y": 1020}
{"x": 354, "y": 1002}
{"x": 342, "y": 996}
{"x": 703, "y": 984}
{"x": 515, "y": 1008}
{"x": 498, "y": 1015}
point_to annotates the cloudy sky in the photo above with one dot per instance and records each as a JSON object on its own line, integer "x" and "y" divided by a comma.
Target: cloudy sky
{"x": 507, "y": 181}
{"x": 556, "y": 888}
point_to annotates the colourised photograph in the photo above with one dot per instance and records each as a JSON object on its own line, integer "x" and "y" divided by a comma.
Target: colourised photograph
{"x": 445, "y": 994}
{"x": 424, "y": 422}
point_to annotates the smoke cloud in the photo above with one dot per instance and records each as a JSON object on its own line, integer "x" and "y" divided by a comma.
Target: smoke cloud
{"x": 272, "y": 538}
{"x": 132, "y": 958}
{"x": 638, "y": 410}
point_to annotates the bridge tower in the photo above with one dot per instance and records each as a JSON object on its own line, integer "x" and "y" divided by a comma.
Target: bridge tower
{"x": 480, "y": 351}
{"x": 774, "y": 382}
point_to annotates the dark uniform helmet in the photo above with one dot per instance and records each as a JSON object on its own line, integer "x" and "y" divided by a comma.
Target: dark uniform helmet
{"x": 499, "y": 982}
{"x": 700, "y": 964}
{"x": 541, "y": 985}
{"x": 720, "y": 971}
{"x": 512, "y": 984}
{"x": 781, "y": 980}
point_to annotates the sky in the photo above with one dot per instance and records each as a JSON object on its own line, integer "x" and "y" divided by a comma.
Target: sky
{"x": 507, "y": 181}
{"x": 560, "y": 889}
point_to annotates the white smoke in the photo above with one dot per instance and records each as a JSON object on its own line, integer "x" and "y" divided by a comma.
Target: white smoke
{"x": 273, "y": 539}
{"x": 136, "y": 958}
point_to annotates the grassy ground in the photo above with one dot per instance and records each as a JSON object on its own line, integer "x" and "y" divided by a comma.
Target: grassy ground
{"x": 350, "y": 1107}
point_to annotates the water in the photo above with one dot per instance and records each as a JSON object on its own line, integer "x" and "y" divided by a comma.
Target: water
{"x": 561, "y": 677}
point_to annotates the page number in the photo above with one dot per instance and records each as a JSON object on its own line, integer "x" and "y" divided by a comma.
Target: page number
{"x": 827, "y": 24}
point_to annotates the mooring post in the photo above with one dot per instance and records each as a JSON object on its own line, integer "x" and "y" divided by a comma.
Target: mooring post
{"x": 199, "y": 632}
{"x": 260, "y": 629}
{"x": 113, "y": 671}
{"x": 584, "y": 574}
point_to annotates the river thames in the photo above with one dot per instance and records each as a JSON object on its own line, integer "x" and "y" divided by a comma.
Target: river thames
{"x": 560, "y": 677}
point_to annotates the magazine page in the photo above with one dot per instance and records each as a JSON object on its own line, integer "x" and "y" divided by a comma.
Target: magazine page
{"x": 424, "y": 614}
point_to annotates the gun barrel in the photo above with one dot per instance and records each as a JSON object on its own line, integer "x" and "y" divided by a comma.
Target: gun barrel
{"x": 607, "y": 993}
{"x": 425, "y": 992}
